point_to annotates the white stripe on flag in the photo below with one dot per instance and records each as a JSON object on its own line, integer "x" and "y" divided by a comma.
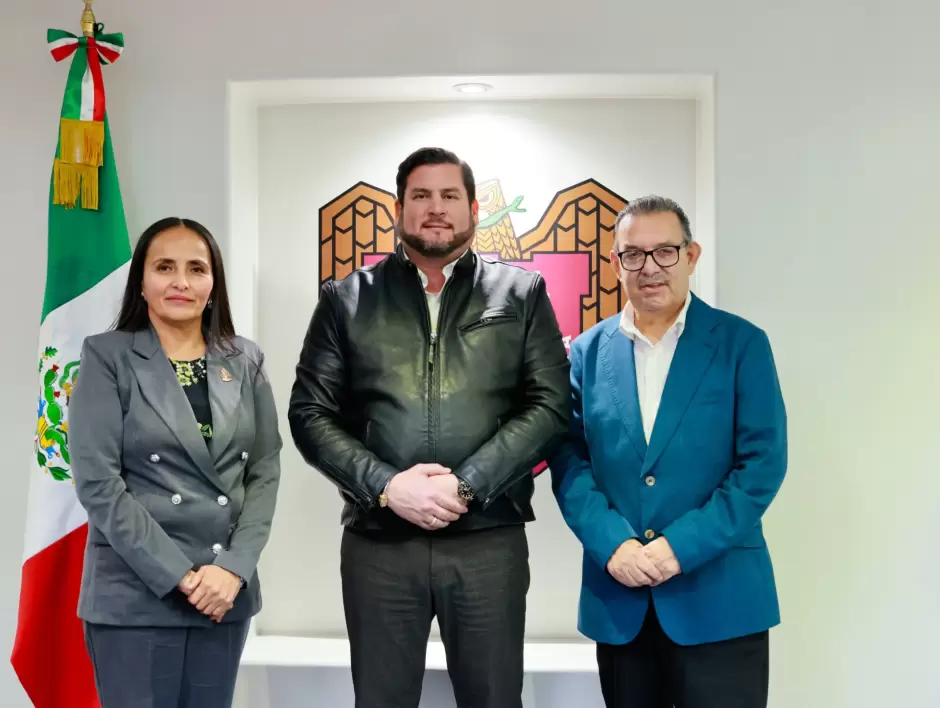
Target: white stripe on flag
{"x": 113, "y": 47}
{"x": 53, "y": 509}
{"x": 88, "y": 96}
{"x": 64, "y": 42}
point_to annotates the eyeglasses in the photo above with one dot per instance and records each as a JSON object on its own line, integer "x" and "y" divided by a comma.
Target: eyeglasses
{"x": 634, "y": 259}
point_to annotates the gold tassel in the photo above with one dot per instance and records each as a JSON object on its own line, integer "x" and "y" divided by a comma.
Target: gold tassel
{"x": 70, "y": 180}
{"x": 82, "y": 142}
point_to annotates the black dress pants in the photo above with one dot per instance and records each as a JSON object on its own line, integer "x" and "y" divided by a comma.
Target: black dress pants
{"x": 474, "y": 582}
{"x": 654, "y": 672}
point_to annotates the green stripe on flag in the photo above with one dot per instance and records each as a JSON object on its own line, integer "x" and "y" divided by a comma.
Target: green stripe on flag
{"x": 72, "y": 102}
{"x": 53, "y": 35}
{"x": 86, "y": 245}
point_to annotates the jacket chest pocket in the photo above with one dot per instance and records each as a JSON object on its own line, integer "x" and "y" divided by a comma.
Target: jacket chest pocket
{"x": 490, "y": 318}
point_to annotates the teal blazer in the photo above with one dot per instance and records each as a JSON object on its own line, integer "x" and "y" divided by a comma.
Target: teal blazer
{"x": 716, "y": 458}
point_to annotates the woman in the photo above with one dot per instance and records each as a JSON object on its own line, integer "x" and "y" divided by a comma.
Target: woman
{"x": 175, "y": 453}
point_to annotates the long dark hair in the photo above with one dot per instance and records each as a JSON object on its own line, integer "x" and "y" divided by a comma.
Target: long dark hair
{"x": 217, "y": 324}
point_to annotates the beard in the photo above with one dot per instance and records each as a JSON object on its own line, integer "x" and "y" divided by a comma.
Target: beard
{"x": 436, "y": 249}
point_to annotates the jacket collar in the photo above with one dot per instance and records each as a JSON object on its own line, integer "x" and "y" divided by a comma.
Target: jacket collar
{"x": 226, "y": 378}
{"x": 147, "y": 344}
{"x": 465, "y": 262}
{"x": 695, "y": 351}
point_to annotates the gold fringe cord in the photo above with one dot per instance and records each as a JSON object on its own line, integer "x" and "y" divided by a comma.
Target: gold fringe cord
{"x": 82, "y": 142}
{"x": 70, "y": 181}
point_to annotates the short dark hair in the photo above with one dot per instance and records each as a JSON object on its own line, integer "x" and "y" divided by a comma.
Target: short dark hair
{"x": 217, "y": 321}
{"x": 654, "y": 204}
{"x": 434, "y": 156}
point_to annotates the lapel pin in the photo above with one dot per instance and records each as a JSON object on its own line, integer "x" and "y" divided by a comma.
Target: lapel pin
{"x": 224, "y": 374}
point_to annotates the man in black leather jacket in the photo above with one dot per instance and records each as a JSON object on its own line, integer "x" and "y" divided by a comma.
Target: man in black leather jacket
{"x": 428, "y": 388}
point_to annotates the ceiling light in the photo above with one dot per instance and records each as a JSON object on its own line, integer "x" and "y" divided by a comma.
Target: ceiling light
{"x": 472, "y": 88}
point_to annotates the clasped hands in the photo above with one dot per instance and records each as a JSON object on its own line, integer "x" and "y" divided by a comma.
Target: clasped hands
{"x": 211, "y": 589}
{"x": 426, "y": 495}
{"x": 636, "y": 565}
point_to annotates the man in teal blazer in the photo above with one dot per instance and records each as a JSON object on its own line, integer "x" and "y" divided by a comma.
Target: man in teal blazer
{"x": 677, "y": 448}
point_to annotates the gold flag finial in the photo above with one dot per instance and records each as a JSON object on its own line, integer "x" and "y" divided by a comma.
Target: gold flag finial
{"x": 88, "y": 20}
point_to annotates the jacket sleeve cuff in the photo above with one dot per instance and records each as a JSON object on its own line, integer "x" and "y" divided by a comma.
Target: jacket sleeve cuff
{"x": 236, "y": 564}
{"x": 481, "y": 491}
{"x": 382, "y": 479}
{"x": 610, "y": 534}
{"x": 170, "y": 577}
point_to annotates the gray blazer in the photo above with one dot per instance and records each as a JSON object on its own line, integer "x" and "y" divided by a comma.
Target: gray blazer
{"x": 159, "y": 500}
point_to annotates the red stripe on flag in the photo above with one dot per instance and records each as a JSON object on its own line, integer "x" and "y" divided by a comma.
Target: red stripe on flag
{"x": 94, "y": 64}
{"x": 64, "y": 51}
{"x": 109, "y": 54}
{"x": 49, "y": 654}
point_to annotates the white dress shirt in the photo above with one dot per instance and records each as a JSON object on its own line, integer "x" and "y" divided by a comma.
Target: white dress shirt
{"x": 652, "y": 361}
{"x": 434, "y": 299}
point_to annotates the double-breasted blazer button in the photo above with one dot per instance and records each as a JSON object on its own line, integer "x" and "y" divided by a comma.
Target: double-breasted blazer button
{"x": 245, "y": 455}
{"x": 176, "y": 499}
{"x": 223, "y": 500}
{"x": 154, "y": 457}
{"x": 216, "y": 547}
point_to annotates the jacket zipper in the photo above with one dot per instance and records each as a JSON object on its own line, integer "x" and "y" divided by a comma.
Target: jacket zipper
{"x": 433, "y": 375}
{"x": 484, "y": 322}
{"x": 432, "y": 346}
{"x": 432, "y": 350}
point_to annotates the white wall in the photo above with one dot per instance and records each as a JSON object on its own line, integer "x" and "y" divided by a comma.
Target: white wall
{"x": 308, "y": 156}
{"x": 827, "y": 153}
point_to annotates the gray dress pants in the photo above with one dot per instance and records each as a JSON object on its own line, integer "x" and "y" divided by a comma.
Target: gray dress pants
{"x": 166, "y": 667}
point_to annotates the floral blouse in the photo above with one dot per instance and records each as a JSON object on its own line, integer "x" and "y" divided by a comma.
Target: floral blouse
{"x": 192, "y": 377}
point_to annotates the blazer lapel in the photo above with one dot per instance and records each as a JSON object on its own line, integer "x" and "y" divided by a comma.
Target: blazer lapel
{"x": 159, "y": 386}
{"x": 694, "y": 354}
{"x": 616, "y": 354}
{"x": 226, "y": 378}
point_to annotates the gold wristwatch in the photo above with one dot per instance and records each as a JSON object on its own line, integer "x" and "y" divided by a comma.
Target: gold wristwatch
{"x": 383, "y": 495}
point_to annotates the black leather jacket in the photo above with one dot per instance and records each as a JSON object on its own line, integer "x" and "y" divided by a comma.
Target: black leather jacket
{"x": 488, "y": 396}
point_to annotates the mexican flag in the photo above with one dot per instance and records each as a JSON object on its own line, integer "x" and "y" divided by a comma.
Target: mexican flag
{"x": 86, "y": 267}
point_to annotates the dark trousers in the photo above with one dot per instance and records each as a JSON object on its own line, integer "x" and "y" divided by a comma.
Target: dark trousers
{"x": 654, "y": 672}
{"x": 475, "y": 583}
{"x": 166, "y": 667}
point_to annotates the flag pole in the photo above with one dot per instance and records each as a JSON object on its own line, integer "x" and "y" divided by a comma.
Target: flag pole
{"x": 88, "y": 19}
